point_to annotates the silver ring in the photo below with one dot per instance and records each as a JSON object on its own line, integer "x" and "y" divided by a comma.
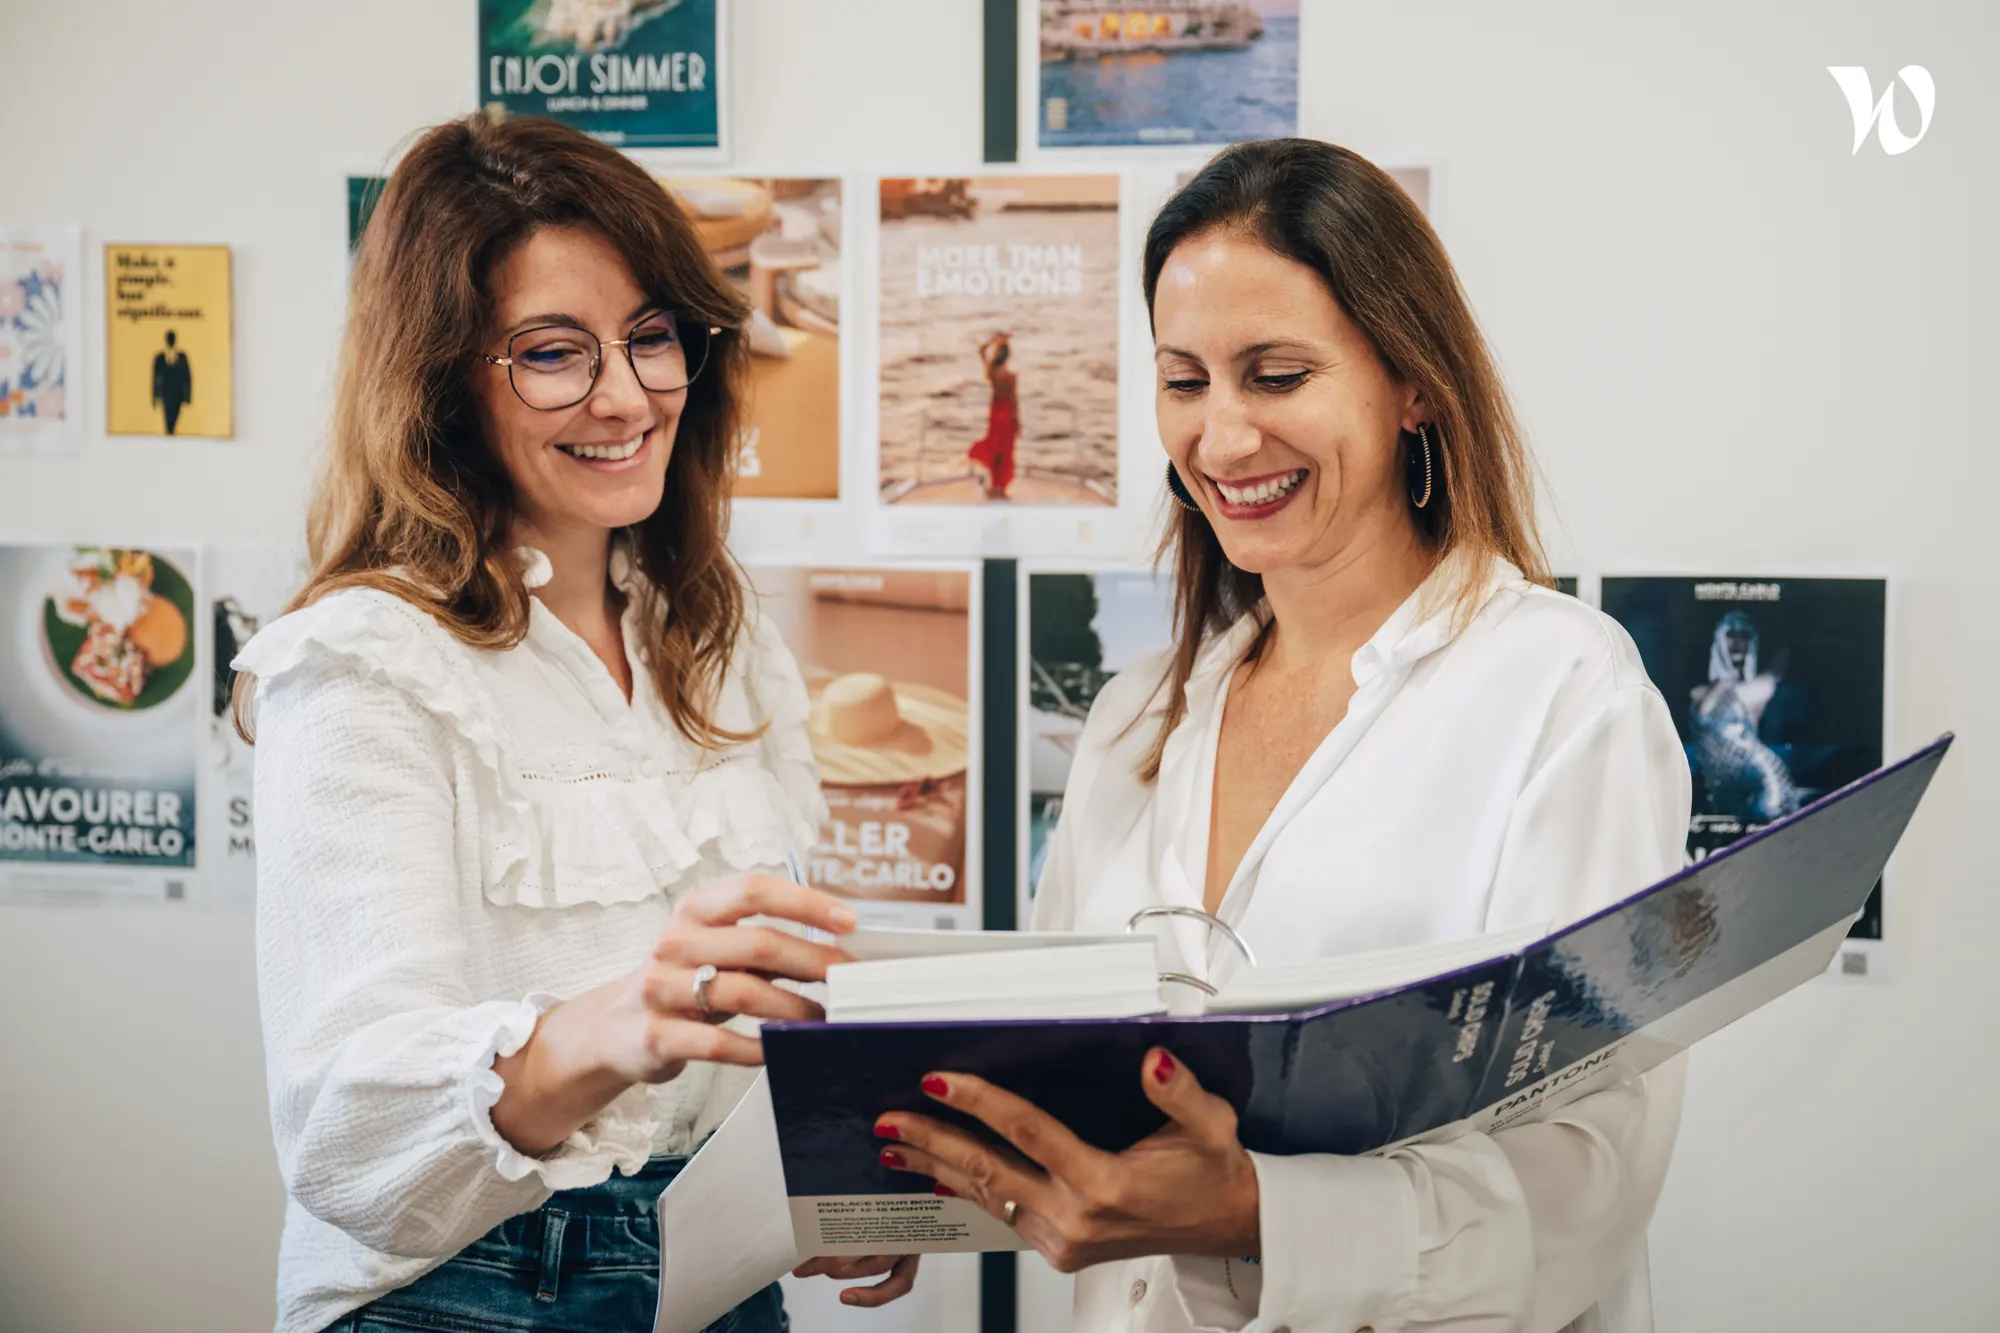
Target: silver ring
{"x": 704, "y": 976}
{"x": 1009, "y": 1211}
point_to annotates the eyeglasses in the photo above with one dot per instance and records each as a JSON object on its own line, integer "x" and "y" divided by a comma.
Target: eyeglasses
{"x": 553, "y": 366}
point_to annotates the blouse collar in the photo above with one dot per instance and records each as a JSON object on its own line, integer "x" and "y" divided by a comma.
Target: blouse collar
{"x": 1427, "y": 621}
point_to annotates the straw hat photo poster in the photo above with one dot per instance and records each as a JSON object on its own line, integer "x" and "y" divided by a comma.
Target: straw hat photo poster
{"x": 887, "y": 658}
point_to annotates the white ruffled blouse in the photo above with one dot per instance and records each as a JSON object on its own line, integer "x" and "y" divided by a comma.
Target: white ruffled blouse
{"x": 450, "y": 840}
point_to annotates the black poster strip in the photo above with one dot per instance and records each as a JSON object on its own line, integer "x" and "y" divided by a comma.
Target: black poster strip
{"x": 999, "y": 690}
{"x": 1003, "y": 88}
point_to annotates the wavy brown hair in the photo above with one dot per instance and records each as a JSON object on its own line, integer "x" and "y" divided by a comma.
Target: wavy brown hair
{"x": 413, "y": 501}
{"x": 1350, "y": 222}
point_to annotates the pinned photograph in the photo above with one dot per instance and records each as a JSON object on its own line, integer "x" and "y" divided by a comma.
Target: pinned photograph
{"x": 887, "y": 657}
{"x": 97, "y": 713}
{"x": 169, "y": 344}
{"x": 779, "y": 240}
{"x": 1776, "y": 687}
{"x": 41, "y": 340}
{"x": 999, "y": 341}
{"x": 635, "y": 73}
{"x": 1083, "y": 629}
{"x": 1184, "y": 72}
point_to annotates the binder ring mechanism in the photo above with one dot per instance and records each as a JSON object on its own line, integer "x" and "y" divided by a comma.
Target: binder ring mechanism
{"x": 1215, "y": 924}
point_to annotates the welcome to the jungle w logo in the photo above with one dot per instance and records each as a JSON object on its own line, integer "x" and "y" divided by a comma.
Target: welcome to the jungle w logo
{"x": 1881, "y": 116}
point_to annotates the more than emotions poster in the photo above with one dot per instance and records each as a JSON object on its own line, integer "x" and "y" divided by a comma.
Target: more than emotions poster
{"x": 99, "y": 707}
{"x": 635, "y": 73}
{"x": 168, "y": 340}
{"x": 999, "y": 340}
{"x": 887, "y": 656}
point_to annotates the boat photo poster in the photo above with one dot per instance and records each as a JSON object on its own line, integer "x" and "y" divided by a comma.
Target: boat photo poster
{"x": 1174, "y": 74}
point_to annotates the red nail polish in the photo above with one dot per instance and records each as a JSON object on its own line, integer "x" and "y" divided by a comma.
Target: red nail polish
{"x": 945, "y": 1192}
{"x": 890, "y": 1157}
{"x": 935, "y": 1086}
{"x": 888, "y": 1132}
{"x": 1164, "y": 1070}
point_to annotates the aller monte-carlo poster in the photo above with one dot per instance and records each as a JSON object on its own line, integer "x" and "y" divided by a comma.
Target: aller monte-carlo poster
{"x": 635, "y": 73}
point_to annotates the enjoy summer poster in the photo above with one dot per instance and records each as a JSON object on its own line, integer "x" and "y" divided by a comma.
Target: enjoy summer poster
{"x": 99, "y": 702}
{"x": 887, "y": 656}
{"x": 635, "y": 73}
{"x": 999, "y": 340}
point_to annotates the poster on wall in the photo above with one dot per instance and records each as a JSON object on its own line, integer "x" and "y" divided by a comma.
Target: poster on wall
{"x": 999, "y": 341}
{"x": 887, "y": 656}
{"x": 247, "y": 587}
{"x": 363, "y": 193}
{"x": 1191, "y": 72}
{"x": 635, "y": 73}
{"x": 168, "y": 343}
{"x": 1776, "y": 687}
{"x": 99, "y": 714}
{"x": 779, "y": 240}
{"x": 41, "y": 340}
{"x": 1083, "y": 628}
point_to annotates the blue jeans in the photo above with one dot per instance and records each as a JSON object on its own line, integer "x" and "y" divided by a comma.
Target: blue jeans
{"x": 587, "y": 1261}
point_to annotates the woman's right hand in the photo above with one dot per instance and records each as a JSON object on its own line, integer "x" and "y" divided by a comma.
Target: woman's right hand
{"x": 645, "y": 1026}
{"x": 656, "y": 1025}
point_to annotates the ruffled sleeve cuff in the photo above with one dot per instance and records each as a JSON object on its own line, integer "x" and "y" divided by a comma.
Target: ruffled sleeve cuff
{"x": 1339, "y": 1252}
{"x": 620, "y": 1136}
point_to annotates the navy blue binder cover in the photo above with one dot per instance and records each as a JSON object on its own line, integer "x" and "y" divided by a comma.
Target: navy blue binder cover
{"x": 1593, "y": 1005}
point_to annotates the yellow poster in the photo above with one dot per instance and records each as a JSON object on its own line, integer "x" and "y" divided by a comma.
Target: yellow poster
{"x": 168, "y": 340}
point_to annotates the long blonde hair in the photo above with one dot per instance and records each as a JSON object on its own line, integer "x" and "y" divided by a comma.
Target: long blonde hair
{"x": 1352, "y": 224}
{"x": 413, "y": 501}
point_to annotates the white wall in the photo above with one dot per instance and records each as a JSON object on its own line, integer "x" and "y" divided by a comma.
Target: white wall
{"x": 1736, "y": 346}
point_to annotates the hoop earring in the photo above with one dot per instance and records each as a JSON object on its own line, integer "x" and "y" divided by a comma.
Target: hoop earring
{"x": 1424, "y": 442}
{"x": 1179, "y": 491}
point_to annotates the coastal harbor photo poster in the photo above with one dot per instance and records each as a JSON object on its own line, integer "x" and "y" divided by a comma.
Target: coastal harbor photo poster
{"x": 888, "y": 657}
{"x": 1776, "y": 686}
{"x": 779, "y": 240}
{"x": 1079, "y": 629}
{"x": 41, "y": 340}
{"x": 99, "y": 714}
{"x": 1177, "y": 73}
{"x": 998, "y": 312}
{"x": 640, "y": 74}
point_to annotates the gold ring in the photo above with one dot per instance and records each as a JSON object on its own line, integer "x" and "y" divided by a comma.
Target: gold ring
{"x": 1008, "y": 1211}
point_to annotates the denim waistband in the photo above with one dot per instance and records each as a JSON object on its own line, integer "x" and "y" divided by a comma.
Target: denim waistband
{"x": 622, "y": 1195}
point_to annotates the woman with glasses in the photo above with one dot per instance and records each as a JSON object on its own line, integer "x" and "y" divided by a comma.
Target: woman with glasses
{"x": 527, "y": 761}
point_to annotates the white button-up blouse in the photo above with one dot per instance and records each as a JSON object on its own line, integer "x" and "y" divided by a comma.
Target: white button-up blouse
{"x": 1518, "y": 770}
{"x": 449, "y": 840}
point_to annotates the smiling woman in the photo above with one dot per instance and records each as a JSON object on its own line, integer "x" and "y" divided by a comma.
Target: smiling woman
{"x": 511, "y": 813}
{"x": 1378, "y": 728}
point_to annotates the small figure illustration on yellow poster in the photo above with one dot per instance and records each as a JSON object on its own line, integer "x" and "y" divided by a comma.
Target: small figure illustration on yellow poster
{"x": 168, "y": 340}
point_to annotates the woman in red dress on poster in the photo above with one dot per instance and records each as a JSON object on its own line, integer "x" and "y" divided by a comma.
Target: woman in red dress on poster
{"x": 993, "y": 455}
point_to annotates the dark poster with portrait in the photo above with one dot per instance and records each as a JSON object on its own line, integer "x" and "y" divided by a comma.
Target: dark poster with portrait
{"x": 1776, "y": 687}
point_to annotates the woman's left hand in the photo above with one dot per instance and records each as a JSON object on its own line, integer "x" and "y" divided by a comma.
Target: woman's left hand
{"x": 1188, "y": 1189}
